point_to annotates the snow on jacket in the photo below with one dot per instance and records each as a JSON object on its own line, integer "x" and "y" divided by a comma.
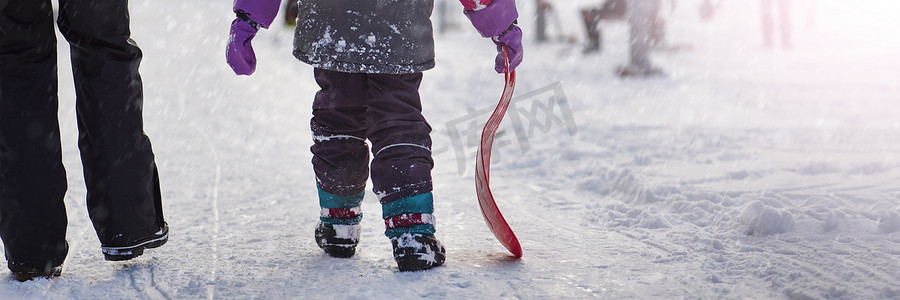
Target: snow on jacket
{"x": 372, "y": 36}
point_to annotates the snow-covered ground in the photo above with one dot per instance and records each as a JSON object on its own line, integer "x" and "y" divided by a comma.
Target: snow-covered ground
{"x": 745, "y": 173}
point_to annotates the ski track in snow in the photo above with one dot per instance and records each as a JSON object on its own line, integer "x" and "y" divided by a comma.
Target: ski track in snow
{"x": 214, "y": 201}
{"x": 744, "y": 173}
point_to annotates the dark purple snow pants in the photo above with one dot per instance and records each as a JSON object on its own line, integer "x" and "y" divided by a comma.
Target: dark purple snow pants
{"x": 123, "y": 196}
{"x": 385, "y": 109}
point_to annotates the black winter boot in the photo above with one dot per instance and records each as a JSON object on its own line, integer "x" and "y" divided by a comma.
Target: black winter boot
{"x": 23, "y": 273}
{"x": 136, "y": 248}
{"x": 416, "y": 252}
{"x": 338, "y": 240}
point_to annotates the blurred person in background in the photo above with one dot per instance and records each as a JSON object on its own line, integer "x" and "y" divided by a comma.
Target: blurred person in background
{"x": 641, "y": 16}
{"x": 768, "y": 19}
{"x": 291, "y": 9}
{"x": 543, "y": 11}
{"x": 707, "y": 9}
{"x": 591, "y": 16}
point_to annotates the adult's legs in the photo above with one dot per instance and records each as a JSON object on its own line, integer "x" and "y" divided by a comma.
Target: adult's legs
{"x": 767, "y": 22}
{"x": 640, "y": 20}
{"x": 123, "y": 199}
{"x": 32, "y": 176}
{"x": 543, "y": 9}
{"x": 784, "y": 18}
{"x": 591, "y": 18}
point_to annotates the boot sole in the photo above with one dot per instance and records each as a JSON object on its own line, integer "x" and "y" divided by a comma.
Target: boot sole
{"x": 413, "y": 262}
{"x": 339, "y": 251}
{"x": 130, "y": 252}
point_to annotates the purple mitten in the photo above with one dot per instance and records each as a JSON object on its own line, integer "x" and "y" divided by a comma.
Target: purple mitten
{"x": 513, "y": 41}
{"x": 260, "y": 11}
{"x": 497, "y": 21}
{"x": 239, "y": 53}
{"x": 252, "y": 14}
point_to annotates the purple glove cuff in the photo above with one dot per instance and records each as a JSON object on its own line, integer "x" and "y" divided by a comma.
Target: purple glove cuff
{"x": 260, "y": 11}
{"x": 493, "y": 19}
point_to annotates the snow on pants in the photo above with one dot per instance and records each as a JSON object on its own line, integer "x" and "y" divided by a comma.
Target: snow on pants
{"x": 123, "y": 196}
{"x": 383, "y": 108}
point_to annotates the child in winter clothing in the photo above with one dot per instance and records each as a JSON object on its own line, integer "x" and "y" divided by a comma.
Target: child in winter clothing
{"x": 368, "y": 58}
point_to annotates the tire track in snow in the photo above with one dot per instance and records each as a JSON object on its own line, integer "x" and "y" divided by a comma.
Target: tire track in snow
{"x": 610, "y": 246}
{"x": 644, "y": 241}
{"x": 211, "y": 290}
{"x": 145, "y": 282}
{"x": 203, "y": 133}
{"x": 214, "y": 203}
{"x": 850, "y": 261}
{"x": 802, "y": 271}
{"x": 156, "y": 284}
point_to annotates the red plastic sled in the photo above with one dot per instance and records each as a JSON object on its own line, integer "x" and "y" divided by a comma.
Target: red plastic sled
{"x": 489, "y": 209}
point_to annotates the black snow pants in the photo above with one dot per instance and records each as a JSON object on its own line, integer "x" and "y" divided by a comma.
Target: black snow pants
{"x": 123, "y": 196}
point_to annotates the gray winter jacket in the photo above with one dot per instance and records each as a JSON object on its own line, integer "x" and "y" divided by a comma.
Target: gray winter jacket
{"x": 366, "y": 36}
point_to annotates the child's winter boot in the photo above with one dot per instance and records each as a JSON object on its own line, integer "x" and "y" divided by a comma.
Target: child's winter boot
{"x": 410, "y": 226}
{"x": 415, "y": 251}
{"x": 338, "y": 230}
